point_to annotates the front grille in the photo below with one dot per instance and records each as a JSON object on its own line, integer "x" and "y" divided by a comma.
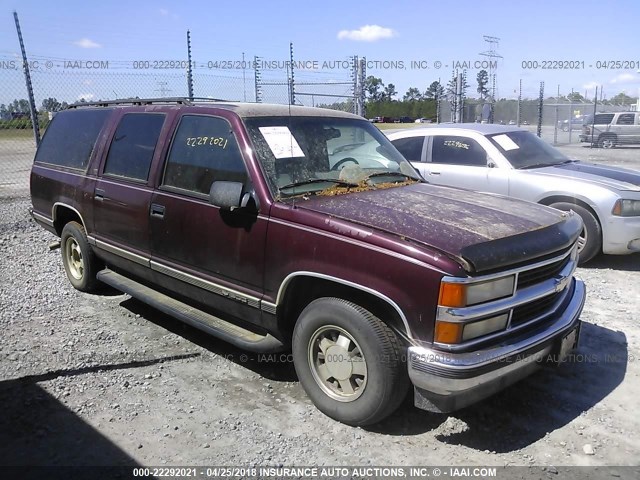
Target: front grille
{"x": 536, "y": 275}
{"x": 530, "y": 311}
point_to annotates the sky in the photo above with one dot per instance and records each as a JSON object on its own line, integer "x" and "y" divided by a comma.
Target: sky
{"x": 588, "y": 35}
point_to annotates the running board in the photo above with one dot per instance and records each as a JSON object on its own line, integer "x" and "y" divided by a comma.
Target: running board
{"x": 229, "y": 332}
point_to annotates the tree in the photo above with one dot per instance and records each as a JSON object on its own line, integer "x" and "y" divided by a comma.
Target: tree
{"x": 575, "y": 97}
{"x": 622, "y": 99}
{"x": 412, "y": 95}
{"x": 390, "y": 92}
{"x": 51, "y": 105}
{"x": 483, "y": 80}
{"x": 434, "y": 92}
{"x": 18, "y": 106}
{"x": 373, "y": 86}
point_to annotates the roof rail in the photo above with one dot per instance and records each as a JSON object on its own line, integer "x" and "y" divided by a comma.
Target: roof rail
{"x": 145, "y": 101}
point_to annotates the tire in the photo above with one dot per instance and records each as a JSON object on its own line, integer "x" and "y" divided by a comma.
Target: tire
{"x": 607, "y": 141}
{"x": 366, "y": 388}
{"x": 590, "y": 241}
{"x": 80, "y": 263}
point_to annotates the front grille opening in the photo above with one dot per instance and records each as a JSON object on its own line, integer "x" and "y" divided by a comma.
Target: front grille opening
{"x": 540, "y": 274}
{"x": 529, "y": 311}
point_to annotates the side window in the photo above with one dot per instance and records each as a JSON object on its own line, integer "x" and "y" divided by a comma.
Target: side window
{"x": 603, "y": 118}
{"x": 133, "y": 145}
{"x": 71, "y": 136}
{"x": 626, "y": 119}
{"x": 203, "y": 150}
{"x": 454, "y": 150}
{"x": 410, "y": 147}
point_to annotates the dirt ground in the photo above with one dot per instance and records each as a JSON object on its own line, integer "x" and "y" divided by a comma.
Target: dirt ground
{"x": 105, "y": 380}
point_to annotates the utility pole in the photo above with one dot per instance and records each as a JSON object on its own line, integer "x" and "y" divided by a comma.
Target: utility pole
{"x": 27, "y": 78}
{"x": 292, "y": 91}
{"x": 244, "y": 79}
{"x": 257, "y": 77}
{"x": 189, "y": 72}
{"x": 492, "y": 55}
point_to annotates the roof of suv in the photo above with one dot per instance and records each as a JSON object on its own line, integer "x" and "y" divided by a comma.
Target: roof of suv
{"x": 242, "y": 109}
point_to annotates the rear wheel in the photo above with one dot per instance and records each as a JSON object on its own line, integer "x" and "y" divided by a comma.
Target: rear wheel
{"x": 607, "y": 141}
{"x": 78, "y": 259}
{"x": 590, "y": 241}
{"x": 349, "y": 362}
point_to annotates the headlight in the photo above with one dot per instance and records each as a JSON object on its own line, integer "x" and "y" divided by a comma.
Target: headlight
{"x": 626, "y": 208}
{"x": 466, "y": 294}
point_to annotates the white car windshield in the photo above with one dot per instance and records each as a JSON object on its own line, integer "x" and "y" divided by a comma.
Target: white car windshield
{"x": 302, "y": 155}
{"x": 525, "y": 150}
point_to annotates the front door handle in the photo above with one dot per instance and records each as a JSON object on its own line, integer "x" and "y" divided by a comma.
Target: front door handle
{"x": 434, "y": 172}
{"x": 157, "y": 211}
{"x": 99, "y": 194}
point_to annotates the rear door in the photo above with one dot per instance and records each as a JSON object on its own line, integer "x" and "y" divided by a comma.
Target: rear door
{"x": 122, "y": 194}
{"x": 627, "y": 128}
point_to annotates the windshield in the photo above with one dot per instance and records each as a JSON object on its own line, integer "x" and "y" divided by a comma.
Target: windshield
{"x": 305, "y": 155}
{"x": 524, "y": 150}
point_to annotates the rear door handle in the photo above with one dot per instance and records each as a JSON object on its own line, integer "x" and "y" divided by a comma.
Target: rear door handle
{"x": 434, "y": 172}
{"x": 157, "y": 210}
{"x": 99, "y": 194}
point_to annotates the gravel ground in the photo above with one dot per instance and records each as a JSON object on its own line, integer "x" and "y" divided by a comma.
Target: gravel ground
{"x": 105, "y": 380}
{"x": 141, "y": 388}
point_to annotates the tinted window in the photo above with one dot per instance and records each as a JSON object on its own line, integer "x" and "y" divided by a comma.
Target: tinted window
{"x": 603, "y": 118}
{"x": 203, "y": 150}
{"x": 626, "y": 119}
{"x": 458, "y": 151}
{"x": 410, "y": 147}
{"x": 133, "y": 145}
{"x": 70, "y": 137}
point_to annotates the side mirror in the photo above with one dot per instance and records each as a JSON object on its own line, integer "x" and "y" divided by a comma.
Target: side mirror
{"x": 491, "y": 163}
{"x": 228, "y": 195}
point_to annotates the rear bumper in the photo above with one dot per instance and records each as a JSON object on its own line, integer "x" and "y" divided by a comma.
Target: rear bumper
{"x": 446, "y": 381}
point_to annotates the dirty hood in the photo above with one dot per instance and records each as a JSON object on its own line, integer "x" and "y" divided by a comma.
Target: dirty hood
{"x": 485, "y": 232}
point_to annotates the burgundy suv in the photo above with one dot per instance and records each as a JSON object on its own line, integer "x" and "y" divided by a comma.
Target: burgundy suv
{"x": 276, "y": 227}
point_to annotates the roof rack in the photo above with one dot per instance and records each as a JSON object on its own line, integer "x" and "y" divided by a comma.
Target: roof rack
{"x": 146, "y": 101}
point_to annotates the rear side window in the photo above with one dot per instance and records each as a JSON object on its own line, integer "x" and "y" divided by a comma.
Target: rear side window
{"x": 133, "y": 145}
{"x": 71, "y": 136}
{"x": 204, "y": 150}
{"x": 454, "y": 150}
{"x": 626, "y": 119}
{"x": 410, "y": 147}
{"x": 603, "y": 118}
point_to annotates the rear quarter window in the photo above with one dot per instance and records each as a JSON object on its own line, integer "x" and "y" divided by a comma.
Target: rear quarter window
{"x": 70, "y": 138}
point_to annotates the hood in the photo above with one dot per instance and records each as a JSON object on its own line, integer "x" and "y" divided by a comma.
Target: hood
{"x": 484, "y": 231}
{"x": 603, "y": 175}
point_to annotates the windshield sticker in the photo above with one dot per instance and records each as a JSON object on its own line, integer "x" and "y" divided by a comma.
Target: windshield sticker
{"x": 505, "y": 142}
{"x": 281, "y": 142}
{"x": 456, "y": 144}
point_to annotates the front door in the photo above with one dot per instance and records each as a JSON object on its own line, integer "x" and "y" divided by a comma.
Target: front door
{"x": 195, "y": 242}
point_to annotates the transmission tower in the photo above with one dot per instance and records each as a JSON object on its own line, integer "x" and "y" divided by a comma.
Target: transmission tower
{"x": 493, "y": 55}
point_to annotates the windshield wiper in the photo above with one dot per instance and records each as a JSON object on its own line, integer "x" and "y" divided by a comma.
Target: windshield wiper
{"x": 538, "y": 165}
{"x": 391, "y": 174}
{"x": 310, "y": 181}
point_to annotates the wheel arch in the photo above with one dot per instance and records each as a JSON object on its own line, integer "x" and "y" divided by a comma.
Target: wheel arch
{"x": 300, "y": 288}
{"x": 569, "y": 199}
{"x": 62, "y": 213}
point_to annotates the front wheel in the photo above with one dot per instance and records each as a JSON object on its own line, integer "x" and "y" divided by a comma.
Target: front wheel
{"x": 349, "y": 362}
{"x": 590, "y": 241}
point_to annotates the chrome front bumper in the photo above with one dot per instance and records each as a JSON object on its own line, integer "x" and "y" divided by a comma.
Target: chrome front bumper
{"x": 446, "y": 381}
